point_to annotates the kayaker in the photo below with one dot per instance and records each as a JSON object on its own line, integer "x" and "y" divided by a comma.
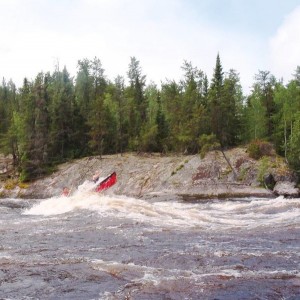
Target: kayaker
{"x": 96, "y": 176}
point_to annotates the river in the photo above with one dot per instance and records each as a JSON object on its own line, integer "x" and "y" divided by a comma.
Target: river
{"x": 91, "y": 246}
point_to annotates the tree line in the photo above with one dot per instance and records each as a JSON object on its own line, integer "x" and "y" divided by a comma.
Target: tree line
{"x": 55, "y": 117}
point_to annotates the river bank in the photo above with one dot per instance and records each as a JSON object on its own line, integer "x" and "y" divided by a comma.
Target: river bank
{"x": 185, "y": 176}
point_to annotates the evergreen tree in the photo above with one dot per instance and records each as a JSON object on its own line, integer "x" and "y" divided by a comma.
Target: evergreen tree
{"x": 41, "y": 125}
{"x": 8, "y": 134}
{"x": 215, "y": 95}
{"x": 193, "y": 109}
{"x": 136, "y": 101}
{"x": 294, "y": 145}
{"x": 287, "y": 101}
{"x": 96, "y": 113}
{"x": 148, "y": 134}
{"x": 84, "y": 87}
{"x": 171, "y": 104}
{"x": 264, "y": 88}
{"x": 61, "y": 128}
{"x": 282, "y": 119}
{"x": 51, "y": 120}
{"x": 297, "y": 75}
{"x": 231, "y": 109}
{"x": 162, "y": 128}
{"x": 4, "y": 107}
{"x": 26, "y": 117}
{"x": 110, "y": 123}
{"x": 118, "y": 94}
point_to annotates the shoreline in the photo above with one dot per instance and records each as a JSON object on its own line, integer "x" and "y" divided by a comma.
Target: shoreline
{"x": 144, "y": 176}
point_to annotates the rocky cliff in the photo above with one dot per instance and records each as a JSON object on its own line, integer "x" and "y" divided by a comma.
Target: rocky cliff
{"x": 163, "y": 176}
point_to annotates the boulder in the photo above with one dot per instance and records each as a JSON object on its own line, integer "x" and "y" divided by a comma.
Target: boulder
{"x": 286, "y": 188}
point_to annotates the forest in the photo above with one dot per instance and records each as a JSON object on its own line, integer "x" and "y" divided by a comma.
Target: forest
{"x": 56, "y": 118}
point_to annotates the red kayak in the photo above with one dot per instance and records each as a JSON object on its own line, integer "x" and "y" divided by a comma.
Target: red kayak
{"x": 107, "y": 182}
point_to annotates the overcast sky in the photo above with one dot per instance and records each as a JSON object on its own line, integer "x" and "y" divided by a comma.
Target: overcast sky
{"x": 249, "y": 35}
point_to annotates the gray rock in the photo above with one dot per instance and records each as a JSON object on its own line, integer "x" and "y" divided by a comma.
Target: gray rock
{"x": 286, "y": 188}
{"x": 154, "y": 174}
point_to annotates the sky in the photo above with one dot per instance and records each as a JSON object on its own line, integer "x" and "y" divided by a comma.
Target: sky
{"x": 249, "y": 35}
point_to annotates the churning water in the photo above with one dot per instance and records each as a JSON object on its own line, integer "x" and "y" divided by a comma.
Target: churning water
{"x": 92, "y": 246}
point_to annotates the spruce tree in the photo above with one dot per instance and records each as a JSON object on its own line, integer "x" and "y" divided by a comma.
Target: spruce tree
{"x": 215, "y": 96}
{"x": 136, "y": 101}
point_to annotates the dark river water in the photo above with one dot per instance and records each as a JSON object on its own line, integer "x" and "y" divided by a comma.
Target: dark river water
{"x": 89, "y": 246}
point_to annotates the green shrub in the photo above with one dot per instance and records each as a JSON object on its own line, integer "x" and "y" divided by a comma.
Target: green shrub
{"x": 253, "y": 150}
{"x": 263, "y": 168}
{"x": 207, "y": 143}
{"x": 258, "y": 148}
{"x": 243, "y": 174}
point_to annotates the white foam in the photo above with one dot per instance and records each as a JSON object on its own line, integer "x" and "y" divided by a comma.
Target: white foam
{"x": 228, "y": 214}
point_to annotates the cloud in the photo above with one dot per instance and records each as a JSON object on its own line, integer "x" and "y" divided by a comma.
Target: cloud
{"x": 160, "y": 34}
{"x": 285, "y": 47}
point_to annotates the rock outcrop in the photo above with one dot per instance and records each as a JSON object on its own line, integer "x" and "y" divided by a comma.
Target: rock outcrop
{"x": 286, "y": 188}
{"x": 155, "y": 175}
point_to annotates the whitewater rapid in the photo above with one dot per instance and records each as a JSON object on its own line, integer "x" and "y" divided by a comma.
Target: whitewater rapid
{"x": 236, "y": 213}
{"x": 106, "y": 246}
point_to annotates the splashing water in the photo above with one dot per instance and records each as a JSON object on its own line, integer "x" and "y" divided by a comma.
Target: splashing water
{"x": 242, "y": 213}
